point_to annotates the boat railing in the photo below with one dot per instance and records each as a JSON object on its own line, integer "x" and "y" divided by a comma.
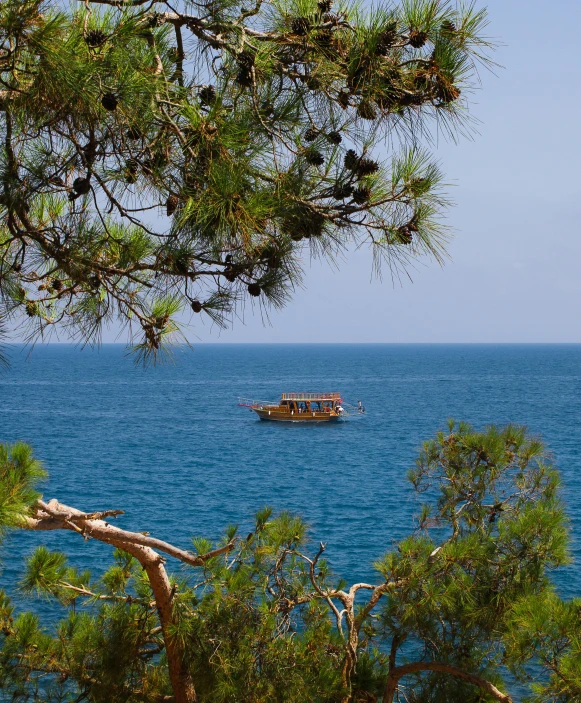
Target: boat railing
{"x": 311, "y": 396}
{"x": 251, "y": 403}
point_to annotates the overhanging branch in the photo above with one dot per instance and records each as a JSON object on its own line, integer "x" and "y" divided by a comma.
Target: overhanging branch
{"x": 397, "y": 673}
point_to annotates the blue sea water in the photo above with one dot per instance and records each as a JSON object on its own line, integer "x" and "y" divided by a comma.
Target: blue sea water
{"x": 170, "y": 446}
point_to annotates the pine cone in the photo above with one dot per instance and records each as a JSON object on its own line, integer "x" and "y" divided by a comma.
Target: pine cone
{"x": 82, "y": 186}
{"x": 31, "y": 308}
{"x": 351, "y": 160}
{"x": 324, "y": 38}
{"x": 301, "y": 222}
{"x": 56, "y": 284}
{"x": 366, "y": 111}
{"x": 324, "y": 5}
{"x": 311, "y": 134}
{"x": 207, "y": 95}
{"x": 254, "y": 289}
{"x": 448, "y": 27}
{"x": 362, "y": 195}
{"x": 447, "y": 92}
{"x": 171, "y": 205}
{"x": 271, "y": 256}
{"x": 182, "y": 265}
{"x": 365, "y": 167}
{"x": 244, "y": 77}
{"x": 342, "y": 191}
{"x": 404, "y": 234}
{"x": 386, "y": 40}
{"x": 109, "y": 102}
{"x": 315, "y": 158}
{"x": 196, "y": 306}
{"x": 301, "y": 26}
{"x": 273, "y": 262}
{"x": 230, "y": 274}
{"x": 161, "y": 322}
{"x": 95, "y": 38}
{"x": 417, "y": 39}
{"x": 245, "y": 59}
{"x": 334, "y": 138}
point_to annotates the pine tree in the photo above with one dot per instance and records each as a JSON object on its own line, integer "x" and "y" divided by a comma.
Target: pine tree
{"x": 156, "y": 154}
{"x": 458, "y": 611}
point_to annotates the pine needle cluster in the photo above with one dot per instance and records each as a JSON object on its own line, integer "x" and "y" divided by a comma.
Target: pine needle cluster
{"x": 160, "y": 157}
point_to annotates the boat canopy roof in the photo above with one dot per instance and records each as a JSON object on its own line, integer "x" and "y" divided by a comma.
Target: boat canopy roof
{"x": 311, "y": 396}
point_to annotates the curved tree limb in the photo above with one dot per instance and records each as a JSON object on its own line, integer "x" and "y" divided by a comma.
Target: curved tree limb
{"x": 50, "y": 516}
{"x": 55, "y": 516}
{"x": 398, "y": 672}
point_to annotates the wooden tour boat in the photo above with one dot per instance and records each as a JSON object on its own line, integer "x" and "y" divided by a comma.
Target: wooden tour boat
{"x": 299, "y": 407}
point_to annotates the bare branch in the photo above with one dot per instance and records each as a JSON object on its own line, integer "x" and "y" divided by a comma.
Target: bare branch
{"x": 54, "y": 516}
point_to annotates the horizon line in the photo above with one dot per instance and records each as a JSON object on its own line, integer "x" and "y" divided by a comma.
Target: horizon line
{"x": 193, "y": 345}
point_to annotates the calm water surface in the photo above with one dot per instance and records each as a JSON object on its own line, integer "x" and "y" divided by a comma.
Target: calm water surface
{"x": 170, "y": 446}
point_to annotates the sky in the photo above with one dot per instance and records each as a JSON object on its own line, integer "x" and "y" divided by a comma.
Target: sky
{"x": 513, "y": 274}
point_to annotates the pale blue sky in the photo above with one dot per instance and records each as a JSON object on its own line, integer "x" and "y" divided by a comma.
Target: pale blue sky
{"x": 513, "y": 274}
{"x": 514, "y": 271}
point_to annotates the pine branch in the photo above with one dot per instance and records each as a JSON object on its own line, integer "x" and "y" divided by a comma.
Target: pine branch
{"x": 441, "y": 667}
{"x": 229, "y": 161}
{"x": 54, "y": 516}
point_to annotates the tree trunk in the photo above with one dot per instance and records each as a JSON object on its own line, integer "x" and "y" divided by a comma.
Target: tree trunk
{"x": 350, "y": 659}
{"x": 55, "y": 516}
{"x": 181, "y": 680}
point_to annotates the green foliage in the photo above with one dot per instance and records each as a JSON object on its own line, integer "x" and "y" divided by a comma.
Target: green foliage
{"x": 496, "y": 510}
{"x": 544, "y": 634}
{"x": 19, "y": 474}
{"x": 264, "y": 621}
{"x": 152, "y": 154}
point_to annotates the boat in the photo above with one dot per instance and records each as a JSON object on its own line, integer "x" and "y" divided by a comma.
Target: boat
{"x": 299, "y": 407}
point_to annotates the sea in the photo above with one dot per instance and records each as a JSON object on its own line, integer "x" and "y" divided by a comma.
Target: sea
{"x": 170, "y": 446}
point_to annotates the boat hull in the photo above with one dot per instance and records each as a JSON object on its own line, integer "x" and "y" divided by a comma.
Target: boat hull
{"x": 277, "y": 416}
